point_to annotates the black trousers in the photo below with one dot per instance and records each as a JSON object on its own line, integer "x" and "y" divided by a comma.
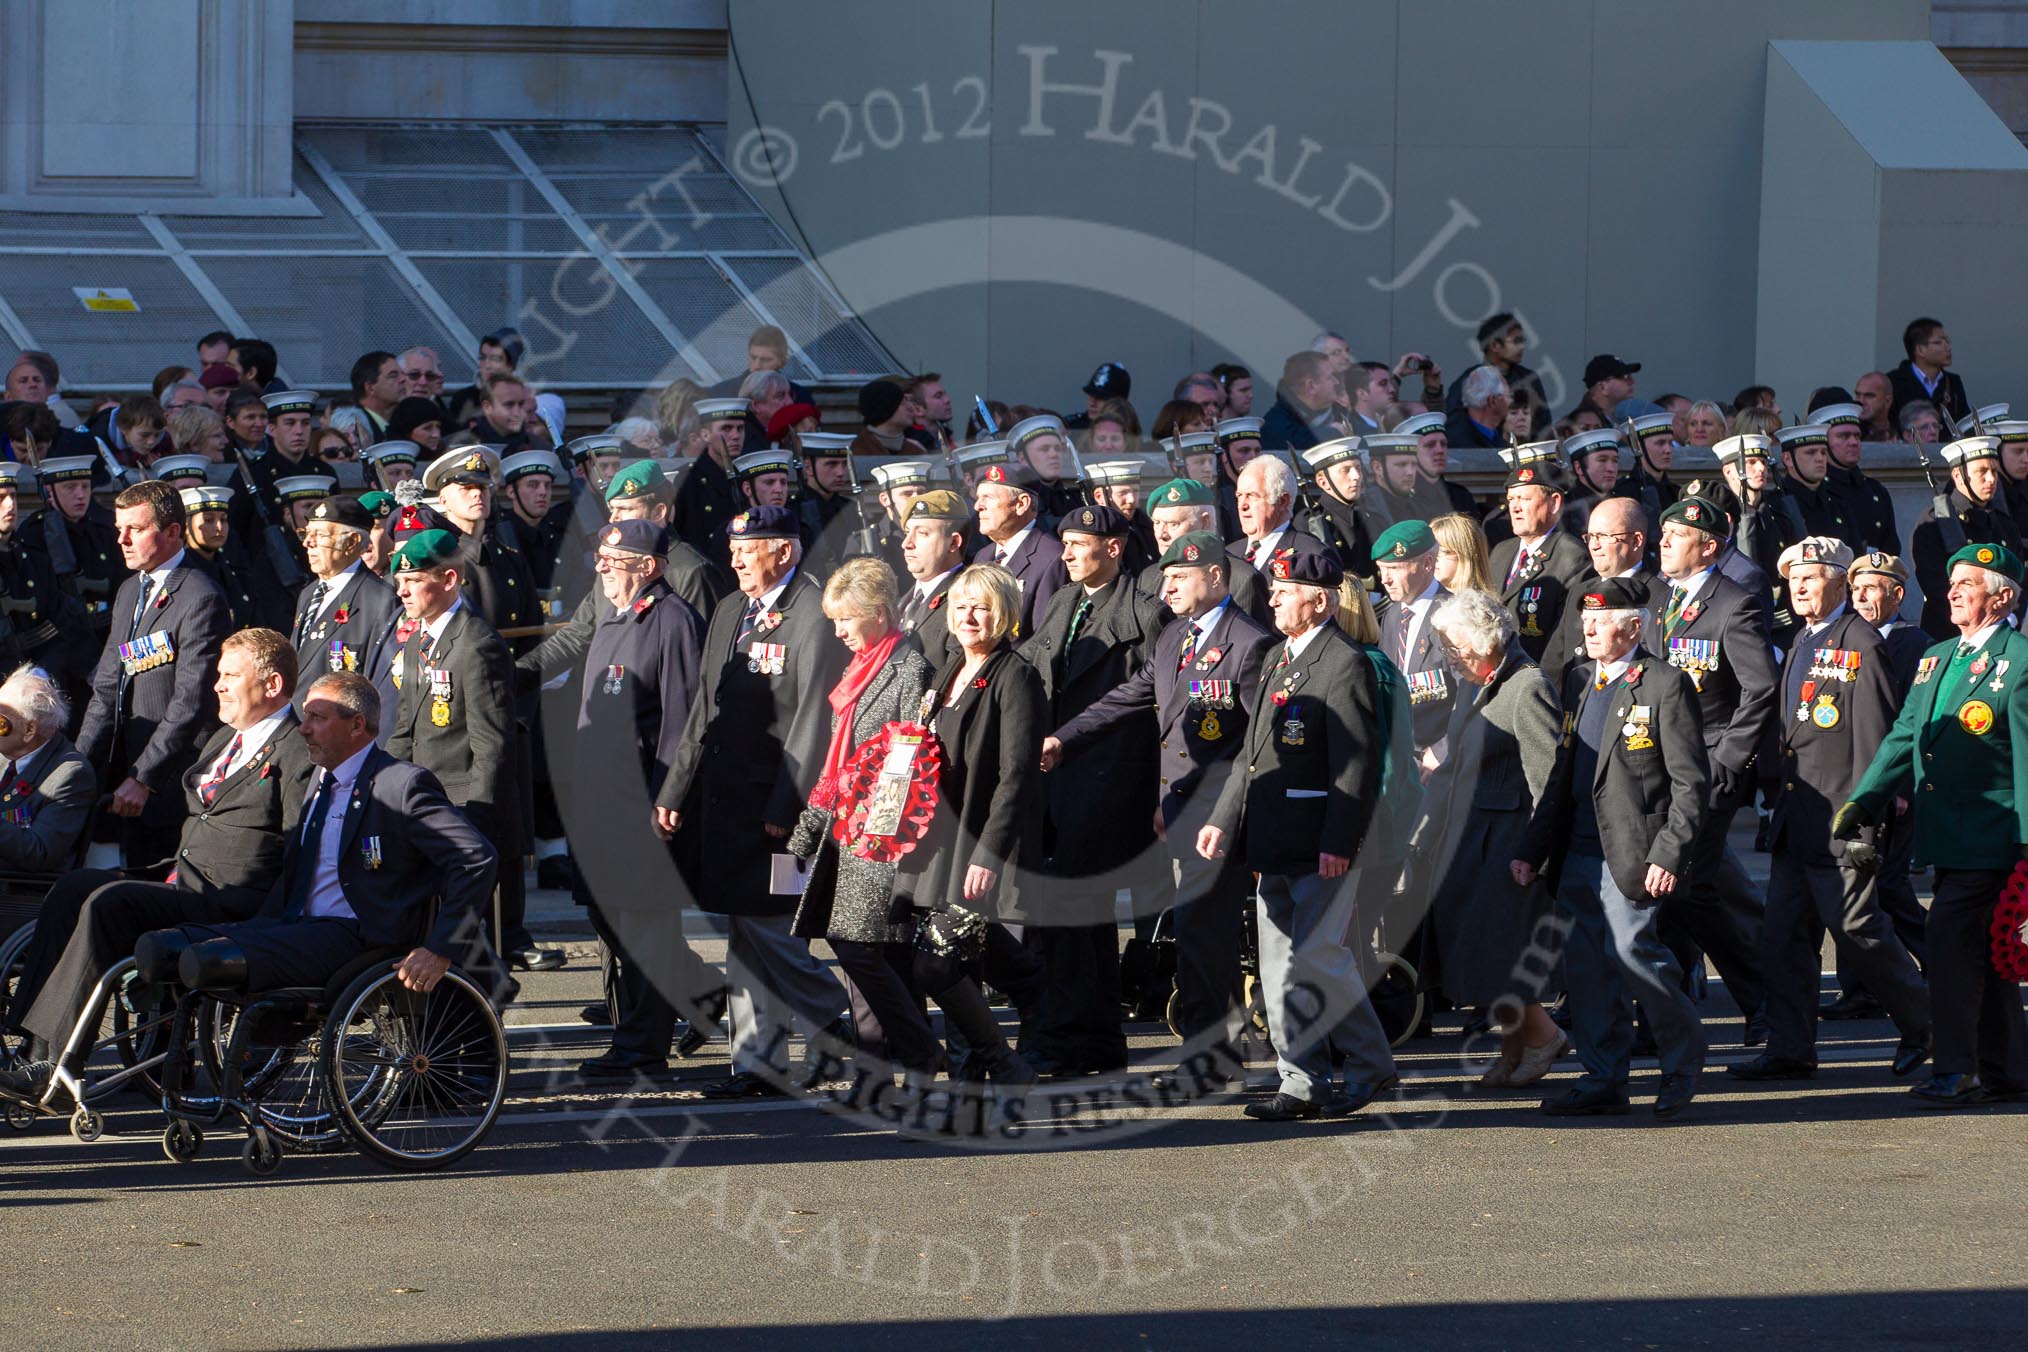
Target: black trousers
{"x": 1208, "y": 922}
{"x": 883, "y": 975}
{"x": 1976, "y": 1021}
{"x": 1717, "y": 913}
{"x": 1078, "y": 1027}
{"x": 90, "y": 923}
{"x": 655, "y": 967}
{"x": 279, "y": 953}
{"x": 1805, "y": 898}
{"x": 1897, "y": 900}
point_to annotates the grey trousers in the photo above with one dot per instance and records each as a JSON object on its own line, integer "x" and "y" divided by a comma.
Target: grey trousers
{"x": 1615, "y": 957}
{"x": 1317, "y": 1009}
{"x": 774, "y": 980}
{"x": 1804, "y": 898}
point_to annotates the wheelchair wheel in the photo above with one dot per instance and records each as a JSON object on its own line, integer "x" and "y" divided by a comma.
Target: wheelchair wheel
{"x": 1397, "y": 995}
{"x": 416, "y": 1079}
{"x": 282, "y": 1073}
{"x": 86, "y": 1125}
{"x": 262, "y": 1155}
{"x": 13, "y": 949}
{"x": 1172, "y": 1013}
{"x": 181, "y": 1141}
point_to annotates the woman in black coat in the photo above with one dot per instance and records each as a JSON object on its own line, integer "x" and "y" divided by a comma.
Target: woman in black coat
{"x": 987, "y": 708}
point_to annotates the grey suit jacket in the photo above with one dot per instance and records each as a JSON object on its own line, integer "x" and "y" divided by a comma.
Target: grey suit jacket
{"x": 43, "y": 816}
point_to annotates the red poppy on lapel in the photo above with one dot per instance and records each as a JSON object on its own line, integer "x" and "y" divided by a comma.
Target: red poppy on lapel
{"x": 1633, "y": 676}
{"x": 979, "y": 684}
{"x": 936, "y": 600}
{"x": 340, "y": 615}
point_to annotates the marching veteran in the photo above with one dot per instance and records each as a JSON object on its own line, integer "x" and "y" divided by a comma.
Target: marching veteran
{"x": 1959, "y": 753}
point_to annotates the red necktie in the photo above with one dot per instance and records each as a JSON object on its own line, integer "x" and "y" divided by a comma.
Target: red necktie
{"x": 1520, "y": 567}
{"x": 208, "y": 790}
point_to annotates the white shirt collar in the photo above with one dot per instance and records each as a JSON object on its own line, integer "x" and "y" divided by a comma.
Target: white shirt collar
{"x": 158, "y": 576}
{"x": 31, "y": 760}
{"x": 1264, "y": 548}
{"x": 333, "y": 585}
{"x": 258, "y": 736}
{"x": 1612, "y": 671}
{"x": 926, "y": 586}
{"x": 347, "y": 773}
{"x": 1424, "y": 601}
{"x": 1979, "y": 639}
{"x": 435, "y": 628}
{"x": 1821, "y": 625}
{"x": 1014, "y": 542}
{"x": 1694, "y": 583}
{"x": 774, "y": 593}
{"x": 1300, "y": 645}
{"x": 1209, "y": 620}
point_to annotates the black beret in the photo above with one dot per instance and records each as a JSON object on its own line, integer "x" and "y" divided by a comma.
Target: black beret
{"x": 343, "y": 511}
{"x": 1096, "y": 520}
{"x": 1303, "y": 559}
{"x": 1615, "y": 593}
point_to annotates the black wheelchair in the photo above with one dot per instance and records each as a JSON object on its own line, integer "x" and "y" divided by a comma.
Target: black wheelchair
{"x": 414, "y": 1081}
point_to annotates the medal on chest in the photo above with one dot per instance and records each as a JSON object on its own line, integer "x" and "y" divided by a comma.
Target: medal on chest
{"x": 768, "y": 659}
{"x": 616, "y": 676}
{"x": 342, "y": 658}
{"x": 1638, "y": 728}
{"x": 1531, "y": 607}
{"x": 440, "y": 696}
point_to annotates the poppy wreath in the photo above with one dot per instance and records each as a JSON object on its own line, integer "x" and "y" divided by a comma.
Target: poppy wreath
{"x": 2010, "y": 953}
{"x": 860, "y": 776}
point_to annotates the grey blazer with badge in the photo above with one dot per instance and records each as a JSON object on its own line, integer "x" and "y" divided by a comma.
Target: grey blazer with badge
{"x": 365, "y": 639}
{"x": 1202, "y": 713}
{"x": 1838, "y": 701}
{"x": 1652, "y": 787}
{"x": 43, "y": 815}
{"x": 754, "y": 743}
{"x": 149, "y": 723}
{"x": 471, "y": 750}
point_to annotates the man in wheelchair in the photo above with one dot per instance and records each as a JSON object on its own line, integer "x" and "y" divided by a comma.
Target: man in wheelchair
{"x": 46, "y": 795}
{"x": 244, "y": 795}
{"x": 378, "y": 843}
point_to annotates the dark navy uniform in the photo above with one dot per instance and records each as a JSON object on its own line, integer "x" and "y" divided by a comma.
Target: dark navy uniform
{"x": 1431, "y": 687}
{"x": 351, "y": 629}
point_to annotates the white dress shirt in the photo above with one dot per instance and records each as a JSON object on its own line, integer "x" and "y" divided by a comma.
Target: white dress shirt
{"x": 327, "y": 894}
{"x": 251, "y": 740}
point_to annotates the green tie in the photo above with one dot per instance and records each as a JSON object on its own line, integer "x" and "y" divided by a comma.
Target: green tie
{"x": 1959, "y": 661}
{"x": 1674, "y": 612}
{"x": 1077, "y": 619}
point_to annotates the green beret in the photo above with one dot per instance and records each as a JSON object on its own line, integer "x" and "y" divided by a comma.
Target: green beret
{"x": 377, "y": 503}
{"x": 642, "y": 479}
{"x": 1181, "y": 493}
{"x": 1404, "y": 540}
{"x": 1196, "y": 549}
{"x": 1993, "y": 558}
{"x": 1699, "y": 513}
{"x": 425, "y": 549}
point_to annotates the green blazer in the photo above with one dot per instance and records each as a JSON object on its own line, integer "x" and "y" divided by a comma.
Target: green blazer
{"x": 1960, "y": 755}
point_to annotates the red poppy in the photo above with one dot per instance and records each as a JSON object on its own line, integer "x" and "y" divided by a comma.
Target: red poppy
{"x": 979, "y": 684}
{"x": 340, "y": 615}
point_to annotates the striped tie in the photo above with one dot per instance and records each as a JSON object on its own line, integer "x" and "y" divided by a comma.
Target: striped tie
{"x": 1189, "y": 646}
{"x": 208, "y": 790}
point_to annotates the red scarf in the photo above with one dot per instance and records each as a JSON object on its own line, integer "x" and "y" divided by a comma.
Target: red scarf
{"x": 859, "y": 673}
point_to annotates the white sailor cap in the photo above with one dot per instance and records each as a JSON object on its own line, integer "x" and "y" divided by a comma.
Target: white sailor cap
{"x": 1960, "y": 452}
{"x": 1028, "y": 429}
{"x": 1527, "y": 453}
{"x": 1803, "y": 434}
{"x": 303, "y": 487}
{"x": 1733, "y": 449}
{"x": 290, "y": 401}
{"x": 721, "y": 410}
{"x": 1598, "y": 439}
{"x": 206, "y": 499}
{"x": 1230, "y": 430}
{"x": 1381, "y": 444}
{"x": 772, "y": 460}
{"x": 579, "y": 449}
{"x": 392, "y": 453}
{"x": 903, "y": 473}
{"x": 1832, "y": 414}
{"x": 2008, "y": 430}
{"x": 1325, "y": 454}
{"x": 1985, "y": 413}
{"x": 1421, "y": 425}
{"x": 1114, "y": 471}
{"x": 17, "y": 476}
{"x": 174, "y": 467}
{"x": 67, "y": 468}
{"x": 824, "y": 445}
{"x": 979, "y": 453}
{"x": 530, "y": 462}
{"x": 1196, "y": 441}
{"x": 1648, "y": 424}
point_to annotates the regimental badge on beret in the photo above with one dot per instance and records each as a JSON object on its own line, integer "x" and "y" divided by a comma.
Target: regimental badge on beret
{"x": 1280, "y": 566}
{"x": 1191, "y": 553}
{"x": 1692, "y": 512}
{"x": 613, "y": 534}
{"x": 1400, "y": 550}
{"x": 1086, "y": 518}
{"x": 1525, "y": 474}
{"x": 1985, "y": 555}
{"x": 475, "y": 461}
{"x": 1811, "y": 553}
{"x": 1173, "y": 495}
{"x": 323, "y": 510}
{"x": 1594, "y": 601}
{"x": 995, "y": 474}
{"x": 739, "y": 525}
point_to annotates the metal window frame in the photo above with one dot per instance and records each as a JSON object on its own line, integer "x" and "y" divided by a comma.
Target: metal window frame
{"x": 619, "y": 264}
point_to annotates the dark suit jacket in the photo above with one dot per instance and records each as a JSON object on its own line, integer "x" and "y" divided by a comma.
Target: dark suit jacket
{"x": 932, "y": 633}
{"x": 497, "y": 580}
{"x": 1038, "y": 566}
{"x": 365, "y": 639}
{"x": 1903, "y": 646}
{"x": 1737, "y": 696}
{"x": 1432, "y": 687}
{"x": 990, "y": 796}
{"x": 1248, "y": 588}
{"x": 1931, "y": 544}
{"x": 753, "y": 745}
{"x": 1200, "y": 731}
{"x": 1650, "y": 800}
{"x": 1286, "y": 427}
{"x": 1829, "y": 726}
{"x": 472, "y": 754}
{"x": 60, "y": 792}
{"x": 1463, "y": 432}
{"x": 641, "y": 675}
{"x": 1555, "y": 571}
{"x": 1906, "y": 388}
{"x": 428, "y": 853}
{"x": 1309, "y": 772}
{"x": 148, "y": 725}
{"x": 231, "y": 851}
{"x": 696, "y": 581}
{"x": 1102, "y": 796}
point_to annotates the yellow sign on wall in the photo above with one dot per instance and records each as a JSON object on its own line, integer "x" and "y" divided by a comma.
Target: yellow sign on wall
{"x": 106, "y": 300}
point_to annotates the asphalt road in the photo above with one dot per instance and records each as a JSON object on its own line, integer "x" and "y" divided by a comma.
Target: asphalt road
{"x": 1827, "y": 1213}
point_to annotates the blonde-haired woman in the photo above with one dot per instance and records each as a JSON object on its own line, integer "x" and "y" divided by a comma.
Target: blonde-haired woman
{"x": 848, "y": 900}
{"x": 987, "y": 708}
{"x": 1464, "y": 562}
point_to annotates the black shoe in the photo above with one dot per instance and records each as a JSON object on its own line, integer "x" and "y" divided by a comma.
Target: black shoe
{"x": 27, "y": 1079}
{"x": 1581, "y": 1102}
{"x": 533, "y": 959}
{"x": 1909, "y": 1056}
{"x": 1756, "y": 1032}
{"x": 599, "y": 1015}
{"x": 1768, "y": 1066}
{"x": 1676, "y": 1093}
{"x": 745, "y": 1085}
{"x": 1858, "y": 1005}
{"x": 555, "y": 873}
{"x": 1948, "y": 1091}
{"x": 690, "y": 1039}
{"x": 1357, "y": 1094}
{"x": 621, "y": 1066}
{"x": 1283, "y": 1108}
{"x": 2003, "y": 1093}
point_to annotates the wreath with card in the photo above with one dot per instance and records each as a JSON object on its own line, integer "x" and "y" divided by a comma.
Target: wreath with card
{"x": 885, "y": 796}
{"x": 2010, "y": 915}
